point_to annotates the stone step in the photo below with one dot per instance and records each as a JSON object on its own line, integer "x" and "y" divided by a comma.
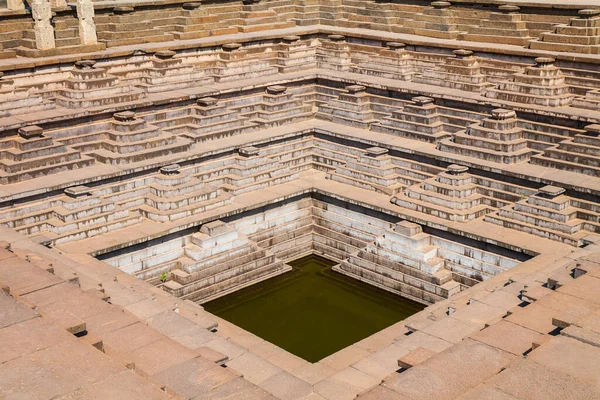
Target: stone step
{"x": 95, "y": 230}
{"x": 96, "y": 98}
{"x": 106, "y": 156}
{"x": 224, "y": 285}
{"x": 573, "y": 240}
{"x": 190, "y": 281}
{"x": 208, "y": 202}
{"x": 568, "y": 227}
{"x": 55, "y": 155}
{"x": 387, "y": 283}
{"x": 503, "y": 157}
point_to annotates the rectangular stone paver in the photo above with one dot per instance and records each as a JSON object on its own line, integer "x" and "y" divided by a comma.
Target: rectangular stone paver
{"x": 253, "y": 368}
{"x": 528, "y": 380}
{"x": 451, "y": 373}
{"x": 55, "y": 371}
{"x": 571, "y": 357}
{"x": 13, "y": 312}
{"x": 509, "y": 337}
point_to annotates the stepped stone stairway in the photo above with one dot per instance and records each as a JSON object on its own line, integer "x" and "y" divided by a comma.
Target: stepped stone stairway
{"x": 376, "y": 170}
{"x": 457, "y": 195}
{"x": 418, "y": 121}
{"x": 393, "y": 63}
{"x": 420, "y": 266}
{"x": 278, "y": 106}
{"x": 295, "y": 54}
{"x": 234, "y": 62}
{"x": 168, "y": 73}
{"x": 581, "y": 35}
{"x": 461, "y": 72}
{"x": 334, "y": 53}
{"x": 18, "y": 100}
{"x": 211, "y": 119}
{"x": 503, "y": 26}
{"x": 261, "y": 16}
{"x": 33, "y": 154}
{"x": 124, "y": 140}
{"x": 351, "y": 108}
{"x": 125, "y": 27}
{"x": 226, "y": 255}
{"x": 542, "y": 84}
{"x": 552, "y": 214}
{"x": 438, "y": 20}
{"x": 11, "y": 33}
{"x": 590, "y": 101}
{"x": 578, "y": 154}
{"x": 90, "y": 86}
{"x": 498, "y": 139}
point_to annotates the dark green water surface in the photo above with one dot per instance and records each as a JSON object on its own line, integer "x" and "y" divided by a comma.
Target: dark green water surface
{"x": 312, "y": 311}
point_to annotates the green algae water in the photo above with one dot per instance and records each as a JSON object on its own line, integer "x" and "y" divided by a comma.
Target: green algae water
{"x": 312, "y": 311}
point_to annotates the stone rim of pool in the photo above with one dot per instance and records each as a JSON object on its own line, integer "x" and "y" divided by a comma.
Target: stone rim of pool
{"x": 312, "y": 311}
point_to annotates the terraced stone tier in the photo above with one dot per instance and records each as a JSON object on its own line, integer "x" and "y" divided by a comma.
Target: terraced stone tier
{"x": 542, "y": 84}
{"x": 497, "y": 139}
{"x": 461, "y": 72}
{"x": 457, "y": 195}
{"x": 226, "y": 255}
{"x": 552, "y": 214}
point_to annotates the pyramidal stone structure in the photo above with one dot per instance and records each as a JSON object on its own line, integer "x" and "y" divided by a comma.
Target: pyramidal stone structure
{"x": 158, "y": 158}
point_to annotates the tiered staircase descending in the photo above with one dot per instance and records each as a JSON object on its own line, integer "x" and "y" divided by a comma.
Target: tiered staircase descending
{"x": 392, "y": 63}
{"x": 211, "y": 119}
{"x": 11, "y": 34}
{"x": 376, "y": 170}
{"x": 461, "y": 72}
{"x": 90, "y": 86}
{"x": 245, "y": 172}
{"x": 438, "y": 20}
{"x": 417, "y": 121}
{"x": 17, "y": 100}
{"x": 419, "y": 266}
{"x": 278, "y": 106}
{"x": 579, "y": 154}
{"x": 125, "y": 27}
{"x": 196, "y": 21}
{"x": 351, "y": 108}
{"x": 503, "y": 26}
{"x": 33, "y": 154}
{"x": 542, "y": 84}
{"x": 334, "y": 53}
{"x": 497, "y": 139}
{"x": 223, "y": 260}
{"x": 552, "y": 214}
{"x": 235, "y": 62}
{"x": 295, "y": 54}
{"x": 454, "y": 195}
{"x": 74, "y": 215}
{"x": 169, "y": 73}
{"x": 259, "y": 16}
{"x": 124, "y": 140}
{"x": 590, "y": 101}
{"x": 581, "y": 35}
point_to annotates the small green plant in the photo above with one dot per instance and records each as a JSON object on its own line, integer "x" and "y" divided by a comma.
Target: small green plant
{"x": 163, "y": 277}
